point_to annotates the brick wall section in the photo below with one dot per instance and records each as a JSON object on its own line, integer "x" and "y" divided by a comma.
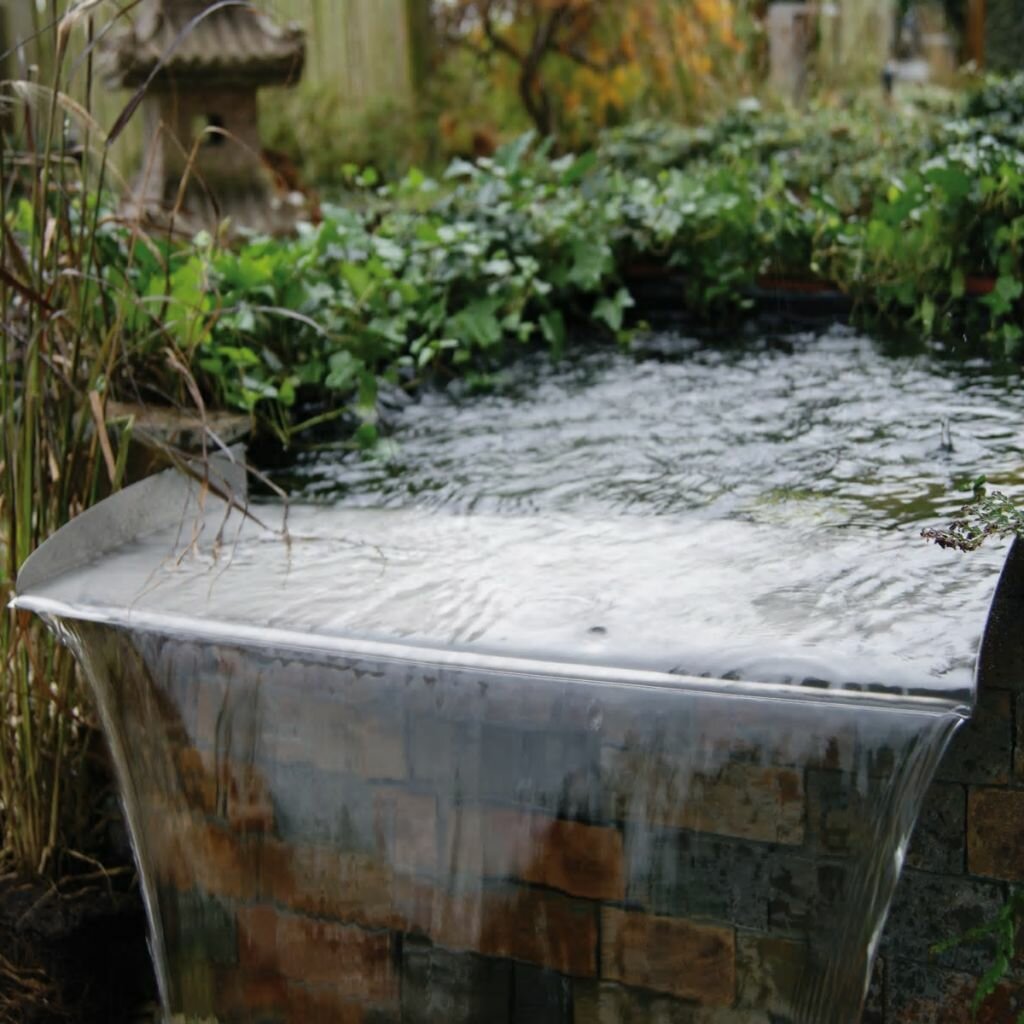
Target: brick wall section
{"x": 387, "y": 855}
{"x": 968, "y": 846}
{"x": 646, "y": 951}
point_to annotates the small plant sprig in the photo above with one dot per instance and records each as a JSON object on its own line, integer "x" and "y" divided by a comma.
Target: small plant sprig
{"x": 988, "y": 514}
{"x": 1002, "y": 929}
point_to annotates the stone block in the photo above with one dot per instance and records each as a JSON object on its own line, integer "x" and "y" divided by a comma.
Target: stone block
{"x": 234, "y": 791}
{"x": 685, "y": 875}
{"x": 318, "y": 1004}
{"x": 578, "y": 859}
{"x": 197, "y": 779}
{"x": 446, "y": 754}
{"x": 758, "y": 886}
{"x": 769, "y": 971}
{"x": 546, "y": 771}
{"x": 725, "y": 729}
{"x": 671, "y": 955}
{"x": 252, "y": 706}
{"x": 354, "y": 964}
{"x": 745, "y": 801}
{"x": 199, "y": 927}
{"x": 541, "y": 928}
{"x": 229, "y": 704}
{"x": 249, "y": 807}
{"x": 308, "y": 723}
{"x": 408, "y": 829}
{"x": 251, "y": 996}
{"x": 195, "y": 982}
{"x": 461, "y": 988}
{"x": 874, "y": 1002}
{"x": 210, "y": 705}
{"x": 174, "y": 669}
{"x": 540, "y": 996}
{"x": 314, "y": 807}
{"x": 750, "y": 885}
{"x": 981, "y": 752}
{"x": 531, "y": 925}
{"x": 538, "y": 704}
{"x": 326, "y": 882}
{"x": 939, "y": 841}
{"x": 920, "y": 993}
{"x": 995, "y": 833}
{"x": 188, "y": 852}
{"x": 807, "y": 894}
{"x": 608, "y": 1003}
{"x": 929, "y": 909}
{"x": 1018, "y": 745}
{"x": 841, "y": 819}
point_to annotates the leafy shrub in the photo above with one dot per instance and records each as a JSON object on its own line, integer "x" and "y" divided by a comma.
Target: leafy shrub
{"x": 452, "y": 274}
{"x": 1000, "y": 96}
{"x": 305, "y": 124}
{"x": 446, "y": 275}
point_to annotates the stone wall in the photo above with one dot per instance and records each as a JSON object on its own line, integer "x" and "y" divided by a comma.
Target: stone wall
{"x": 968, "y": 848}
{"x": 534, "y": 854}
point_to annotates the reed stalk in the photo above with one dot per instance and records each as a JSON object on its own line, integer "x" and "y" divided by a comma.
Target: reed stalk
{"x": 64, "y": 342}
{"x": 47, "y": 474}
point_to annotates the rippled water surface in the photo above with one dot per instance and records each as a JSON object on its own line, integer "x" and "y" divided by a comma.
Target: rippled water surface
{"x": 750, "y": 514}
{"x": 829, "y": 422}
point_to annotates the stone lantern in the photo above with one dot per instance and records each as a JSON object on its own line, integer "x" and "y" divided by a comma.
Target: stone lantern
{"x": 204, "y": 73}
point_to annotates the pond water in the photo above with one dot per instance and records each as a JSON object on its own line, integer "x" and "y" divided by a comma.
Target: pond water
{"x": 610, "y": 694}
{"x": 789, "y": 479}
{"x": 828, "y": 421}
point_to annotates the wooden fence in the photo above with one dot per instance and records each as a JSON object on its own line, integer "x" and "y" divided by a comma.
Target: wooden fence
{"x": 362, "y": 48}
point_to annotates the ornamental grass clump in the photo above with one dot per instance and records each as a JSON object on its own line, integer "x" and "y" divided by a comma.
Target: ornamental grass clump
{"x": 75, "y": 337}
{"x": 58, "y": 348}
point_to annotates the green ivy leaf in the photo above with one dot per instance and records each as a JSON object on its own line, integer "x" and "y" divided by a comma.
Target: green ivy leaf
{"x": 344, "y": 369}
{"x": 358, "y": 278}
{"x": 366, "y": 436}
{"x": 957, "y": 284}
{"x": 612, "y": 311}
{"x": 579, "y": 169}
{"x": 478, "y": 324}
{"x": 591, "y": 262}
{"x": 927, "y": 314}
{"x": 1006, "y": 292}
{"x": 552, "y": 326}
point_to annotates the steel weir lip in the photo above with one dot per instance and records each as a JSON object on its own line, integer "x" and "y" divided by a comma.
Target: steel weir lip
{"x": 172, "y": 498}
{"x": 247, "y": 635}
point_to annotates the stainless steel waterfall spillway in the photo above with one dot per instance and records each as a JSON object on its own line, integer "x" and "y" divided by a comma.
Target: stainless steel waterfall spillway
{"x": 423, "y": 767}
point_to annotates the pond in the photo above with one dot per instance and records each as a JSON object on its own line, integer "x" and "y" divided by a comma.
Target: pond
{"x": 866, "y": 435}
{"x": 820, "y": 456}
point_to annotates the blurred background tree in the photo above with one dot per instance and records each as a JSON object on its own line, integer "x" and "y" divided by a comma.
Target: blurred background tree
{"x": 577, "y": 66}
{"x": 398, "y": 82}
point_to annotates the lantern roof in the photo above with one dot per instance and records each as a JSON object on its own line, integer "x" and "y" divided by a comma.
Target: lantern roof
{"x": 176, "y": 43}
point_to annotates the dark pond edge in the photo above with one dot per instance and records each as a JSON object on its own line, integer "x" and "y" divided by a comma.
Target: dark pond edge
{"x": 661, "y": 295}
{"x": 74, "y": 952}
{"x": 660, "y": 291}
